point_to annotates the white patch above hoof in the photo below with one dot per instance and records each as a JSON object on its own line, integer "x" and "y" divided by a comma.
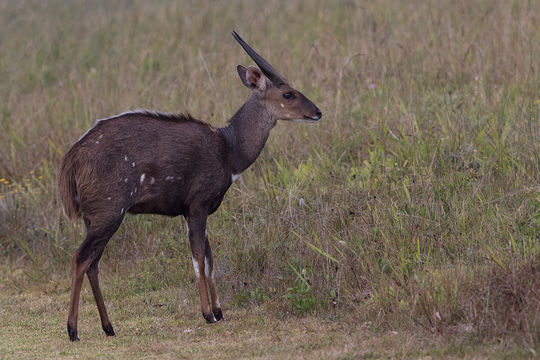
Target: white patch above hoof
{"x": 195, "y": 266}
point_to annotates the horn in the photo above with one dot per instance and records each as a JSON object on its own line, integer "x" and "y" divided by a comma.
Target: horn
{"x": 266, "y": 68}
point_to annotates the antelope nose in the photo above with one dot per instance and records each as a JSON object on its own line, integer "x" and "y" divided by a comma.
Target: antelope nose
{"x": 319, "y": 114}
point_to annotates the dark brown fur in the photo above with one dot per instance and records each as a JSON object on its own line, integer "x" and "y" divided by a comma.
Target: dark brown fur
{"x": 157, "y": 163}
{"x": 110, "y": 159}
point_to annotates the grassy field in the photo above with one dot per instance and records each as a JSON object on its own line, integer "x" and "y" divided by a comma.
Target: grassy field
{"x": 404, "y": 224}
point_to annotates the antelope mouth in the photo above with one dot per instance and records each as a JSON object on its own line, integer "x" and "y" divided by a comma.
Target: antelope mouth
{"x": 306, "y": 119}
{"x": 311, "y": 118}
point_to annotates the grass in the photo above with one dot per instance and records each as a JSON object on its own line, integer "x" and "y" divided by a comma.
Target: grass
{"x": 165, "y": 323}
{"x": 412, "y": 206}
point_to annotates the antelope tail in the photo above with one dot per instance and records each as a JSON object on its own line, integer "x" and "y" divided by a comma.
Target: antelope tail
{"x": 67, "y": 187}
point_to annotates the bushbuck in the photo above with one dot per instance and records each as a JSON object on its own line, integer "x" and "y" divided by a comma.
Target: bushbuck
{"x": 147, "y": 162}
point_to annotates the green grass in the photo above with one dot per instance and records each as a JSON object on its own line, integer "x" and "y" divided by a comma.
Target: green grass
{"x": 412, "y": 206}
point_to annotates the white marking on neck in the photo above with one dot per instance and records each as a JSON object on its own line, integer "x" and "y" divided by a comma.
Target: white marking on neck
{"x": 235, "y": 177}
{"x": 282, "y": 105}
{"x": 195, "y": 266}
{"x": 142, "y": 177}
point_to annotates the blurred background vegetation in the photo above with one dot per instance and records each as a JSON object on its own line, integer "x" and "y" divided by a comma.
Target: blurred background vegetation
{"x": 414, "y": 203}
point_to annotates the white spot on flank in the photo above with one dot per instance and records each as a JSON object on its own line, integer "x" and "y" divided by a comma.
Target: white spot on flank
{"x": 142, "y": 178}
{"x": 169, "y": 178}
{"x": 131, "y": 194}
{"x": 132, "y": 164}
{"x": 282, "y": 105}
{"x": 196, "y": 267}
{"x": 97, "y": 142}
{"x": 101, "y": 136}
{"x": 152, "y": 180}
{"x": 125, "y": 158}
{"x": 109, "y": 198}
{"x": 125, "y": 180}
{"x": 122, "y": 211}
{"x": 235, "y": 177}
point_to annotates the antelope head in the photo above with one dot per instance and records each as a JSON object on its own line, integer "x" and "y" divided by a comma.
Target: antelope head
{"x": 271, "y": 88}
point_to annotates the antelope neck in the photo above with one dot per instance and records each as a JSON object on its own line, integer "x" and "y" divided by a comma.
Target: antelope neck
{"x": 247, "y": 133}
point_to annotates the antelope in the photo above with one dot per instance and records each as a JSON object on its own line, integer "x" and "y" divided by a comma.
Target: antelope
{"x": 147, "y": 162}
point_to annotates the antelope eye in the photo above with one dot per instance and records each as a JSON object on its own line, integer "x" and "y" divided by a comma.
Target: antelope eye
{"x": 287, "y": 95}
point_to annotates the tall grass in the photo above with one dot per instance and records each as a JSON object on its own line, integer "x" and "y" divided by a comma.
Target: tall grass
{"x": 420, "y": 183}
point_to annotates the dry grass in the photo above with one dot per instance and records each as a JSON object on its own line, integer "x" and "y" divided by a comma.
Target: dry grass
{"x": 422, "y": 177}
{"x": 165, "y": 324}
{"x": 510, "y": 303}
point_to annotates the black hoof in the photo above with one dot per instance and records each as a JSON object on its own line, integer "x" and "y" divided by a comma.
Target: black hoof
{"x": 218, "y": 315}
{"x": 210, "y": 318}
{"x": 108, "y": 330}
{"x": 72, "y": 332}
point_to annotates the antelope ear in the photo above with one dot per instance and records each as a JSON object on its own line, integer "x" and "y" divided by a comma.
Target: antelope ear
{"x": 252, "y": 77}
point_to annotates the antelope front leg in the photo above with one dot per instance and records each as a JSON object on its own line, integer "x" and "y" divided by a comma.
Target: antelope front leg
{"x": 209, "y": 273}
{"x": 196, "y": 232}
